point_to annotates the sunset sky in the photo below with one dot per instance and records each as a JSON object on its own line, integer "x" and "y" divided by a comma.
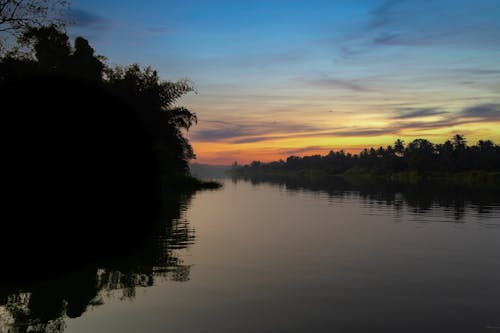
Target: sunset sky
{"x": 277, "y": 78}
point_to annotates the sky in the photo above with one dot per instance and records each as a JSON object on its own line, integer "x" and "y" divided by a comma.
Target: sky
{"x": 279, "y": 78}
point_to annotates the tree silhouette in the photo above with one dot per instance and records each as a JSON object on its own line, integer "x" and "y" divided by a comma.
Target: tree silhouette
{"x": 164, "y": 120}
{"x": 87, "y": 153}
{"x": 459, "y": 142}
{"x": 18, "y": 15}
{"x": 84, "y": 63}
{"x": 51, "y": 53}
{"x": 399, "y": 147}
{"x": 485, "y": 145}
{"x": 51, "y": 47}
{"x": 86, "y": 147}
{"x": 421, "y": 158}
{"x": 142, "y": 89}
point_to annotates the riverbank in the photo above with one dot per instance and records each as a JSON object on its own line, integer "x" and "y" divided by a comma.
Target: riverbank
{"x": 475, "y": 179}
{"x": 187, "y": 182}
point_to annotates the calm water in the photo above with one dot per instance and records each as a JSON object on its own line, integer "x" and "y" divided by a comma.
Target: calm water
{"x": 289, "y": 257}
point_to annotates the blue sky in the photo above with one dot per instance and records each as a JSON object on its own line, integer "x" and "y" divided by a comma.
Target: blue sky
{"x": 282, "y": 77}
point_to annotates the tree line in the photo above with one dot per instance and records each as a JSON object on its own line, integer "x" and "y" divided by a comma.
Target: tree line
{"x": 420, "y": 155}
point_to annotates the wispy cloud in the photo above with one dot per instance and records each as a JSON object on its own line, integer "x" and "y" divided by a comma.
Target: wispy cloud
{"x": 487, "y": 112}
{"x": 407, "y": 120}
{"x": 251, "y": 61}
{"x": 382, "y": 15}
{"x": 157, "y": 30}
{"x": 339, "y": 84}
{"x": 409, "y": 113}
{"x": 248, "y": 131}
{"x": 298, "y": 151}
{"x": 402, "y": 127}
{"x": 260, "y": 132}
{"x": 338, "y": 132}
{"x": 440, "y": 23}
{"x": 476, "y": 71}
{"x": 325, "y": 81}
{"x": 81, "y": 18}
{"x": 386, "y": 38}
{"x": 483, "y": 113}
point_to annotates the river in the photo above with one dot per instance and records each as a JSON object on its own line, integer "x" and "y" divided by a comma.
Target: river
{"x": 278, "y": 256}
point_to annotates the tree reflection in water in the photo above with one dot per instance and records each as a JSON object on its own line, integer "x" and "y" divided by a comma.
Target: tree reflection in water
{"x": 42, "y": 306}
{"x": 418, "y": 199}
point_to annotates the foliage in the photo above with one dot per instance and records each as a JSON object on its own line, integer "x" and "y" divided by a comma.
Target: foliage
{"x": 413, "y": 162}
{"x": 18, "y": 15}
{"x": 164, "y": 120}
{"x": 154, "y": 100}
{"x": 51, "y": 53}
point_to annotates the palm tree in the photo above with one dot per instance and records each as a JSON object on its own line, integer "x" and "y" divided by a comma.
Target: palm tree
{"x": 459, "y": 142}
{"x": 399, "y": 147}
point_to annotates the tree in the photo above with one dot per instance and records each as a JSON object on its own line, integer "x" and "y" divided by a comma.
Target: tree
{"x": 155, "y": 100}
{"x": 51, "y": 46}
{"x": 485, "y": 145}
{"x": 85, "y": 64}
{"x": 52, "y": 53}
{"x": 399, "y": 147}
{"x": 152, "y": 99}
{"x": 420, "y": 145}
{"x": 18, "y": 15}
{"x": 459, "y": 142}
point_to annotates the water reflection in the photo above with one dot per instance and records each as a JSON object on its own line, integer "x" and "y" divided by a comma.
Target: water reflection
{"x": 450, "y": 200}
{"x": 42, "y": 306}
{"x": 310, "y": 250}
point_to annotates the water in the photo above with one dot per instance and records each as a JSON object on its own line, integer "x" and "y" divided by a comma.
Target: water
{"x": 289, "y": 256}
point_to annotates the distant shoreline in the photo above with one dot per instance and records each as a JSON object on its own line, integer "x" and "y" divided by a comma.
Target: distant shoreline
{"x": 475, "y": 179}
{"x": 416, "y": 162}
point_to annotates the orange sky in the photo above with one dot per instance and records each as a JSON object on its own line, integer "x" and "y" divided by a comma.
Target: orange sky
{"x": 303, "y": 130}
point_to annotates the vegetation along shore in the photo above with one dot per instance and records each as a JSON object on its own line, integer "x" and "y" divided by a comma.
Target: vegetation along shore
{"x": 420, "y": 160}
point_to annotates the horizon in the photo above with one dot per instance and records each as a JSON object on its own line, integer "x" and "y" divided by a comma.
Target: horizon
{"x": 354, "y": 152}
{"x": 276, "y": 78}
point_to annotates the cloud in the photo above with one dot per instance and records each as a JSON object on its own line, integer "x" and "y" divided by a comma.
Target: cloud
{"x": 247, "y": 132}
{"x": 401, "y": 127}
{"x": 260, "y": 131}
{"x": 439, "y": 23}
{"x": 451, "y": 35}
{"x": 360, "y": 132}
{"x": 298, "y": 151}
{"x": 278, "y": 134}
{"x": 85, "y": 19}
{"x": 382, "y": 15}
{"x": 157, "y": 30}
{"x": 482, "y": 113}
{"x": 477, "y": 71}
{"x": 408, "y": 121}
{"x": 269, "y": 59}
{"x": 254, "y": 60}
{"x": 387, "y": 38}
{"x": 327, "y": 82}
{"x": 487, "y": 112}
{"x": 409, "y": 113}
{"x": 262, "y": 138}
{"x": 334, "y": 133}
